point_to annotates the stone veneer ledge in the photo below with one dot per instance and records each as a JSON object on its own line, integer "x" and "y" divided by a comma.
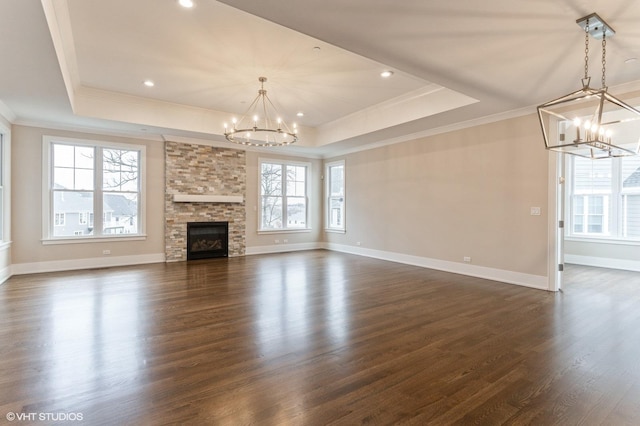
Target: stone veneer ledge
{"x": 203, "y": 170}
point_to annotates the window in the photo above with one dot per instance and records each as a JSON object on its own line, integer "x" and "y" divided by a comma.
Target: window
{"x": 90, "y": 184}
{"x": 283, "y": 195}
{"x": 83, "y": 218}
{"x": 58, "y": 219}
{"x": 335, "y": 196}
{"x": 604, "y": 197}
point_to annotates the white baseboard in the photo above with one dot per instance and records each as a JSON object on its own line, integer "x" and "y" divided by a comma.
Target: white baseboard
{"x": 527, "y": 280}
{"x": 5, "y": 274}
{"x": 90, "y": 263}
{"x": 518, "y": 278}
{"x": 603, "y": 262}
{"x": 282, "y": 248}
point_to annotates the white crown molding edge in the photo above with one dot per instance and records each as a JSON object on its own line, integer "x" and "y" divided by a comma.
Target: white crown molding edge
{"x": 7, "y": 113}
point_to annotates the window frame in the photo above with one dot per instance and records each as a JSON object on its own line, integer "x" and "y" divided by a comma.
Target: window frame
{"x": 308, "y": 201}
{"x": 328, "y": 197}
{"x": 48, "y": 192}
{"x": 613, "y": 208}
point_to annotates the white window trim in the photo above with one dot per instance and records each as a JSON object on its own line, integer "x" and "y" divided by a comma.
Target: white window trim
{"x": 327, "y": 196}
{"x": 308, "y": 228}
{"x": 47, "y": 177}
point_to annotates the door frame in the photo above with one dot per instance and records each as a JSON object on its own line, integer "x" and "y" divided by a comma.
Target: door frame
{"x": 556, "y": 202}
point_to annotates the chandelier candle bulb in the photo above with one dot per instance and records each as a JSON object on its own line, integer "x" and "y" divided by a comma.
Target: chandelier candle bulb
{"x": 576, "y": 122}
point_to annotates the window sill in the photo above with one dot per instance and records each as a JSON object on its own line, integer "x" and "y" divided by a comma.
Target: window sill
{"x": 335, "y": 231}
{"x": 100, "y": 239}
{"x": 603, "y": 240}
{"x": 4, "y": 245}
{"x": 284, "y": 231}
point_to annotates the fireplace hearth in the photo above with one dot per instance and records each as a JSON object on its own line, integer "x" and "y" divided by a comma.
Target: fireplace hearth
{"x": 207, "y": 240}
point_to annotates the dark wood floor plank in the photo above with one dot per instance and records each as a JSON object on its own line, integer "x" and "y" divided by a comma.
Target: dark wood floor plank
{"x": 319, "y": 338}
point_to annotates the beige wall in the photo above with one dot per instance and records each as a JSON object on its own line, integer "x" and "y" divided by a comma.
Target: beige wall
{"x": 27, "y": 202}
{"x": 463, "y": 193}
{"x": 265, "y": 240}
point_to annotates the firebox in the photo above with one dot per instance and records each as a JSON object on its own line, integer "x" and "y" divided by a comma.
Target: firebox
{"x": 207, "y": 240}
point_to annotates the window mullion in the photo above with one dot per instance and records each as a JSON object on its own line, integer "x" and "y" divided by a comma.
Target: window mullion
{"x": 97, "y": 193}
{"x": 616, "y": 198}
{"x": 285, "y": 219}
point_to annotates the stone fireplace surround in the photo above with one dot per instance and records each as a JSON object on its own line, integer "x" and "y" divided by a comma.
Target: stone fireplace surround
{"x": 192, "y": 169}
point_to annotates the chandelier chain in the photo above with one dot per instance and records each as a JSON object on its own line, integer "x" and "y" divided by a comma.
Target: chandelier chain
{"x": 586, "y": 50}
{"x": 604, "y": 56}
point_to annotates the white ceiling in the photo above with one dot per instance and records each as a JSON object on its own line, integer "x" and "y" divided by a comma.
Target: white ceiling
{"x": 81, "y": 63}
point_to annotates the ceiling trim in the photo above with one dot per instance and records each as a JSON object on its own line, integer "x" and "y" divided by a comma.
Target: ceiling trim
{"x": 7, "y": 112}
{"x": 57, "y": 15}
{"x": 424, "y": 102}
{"x": 289, "y": 151}
{"x": 132, "y": 109}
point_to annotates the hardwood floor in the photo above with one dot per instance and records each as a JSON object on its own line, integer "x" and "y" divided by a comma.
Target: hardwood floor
{"x": 316, "y": 338}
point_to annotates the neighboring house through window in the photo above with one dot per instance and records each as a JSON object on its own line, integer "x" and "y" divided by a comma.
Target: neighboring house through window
{"x": 604, "y": 198}
{"x": 283, "y": 195}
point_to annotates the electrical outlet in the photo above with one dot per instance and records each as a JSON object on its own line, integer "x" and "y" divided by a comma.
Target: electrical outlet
{"x": 358, "y": 243}
{"x": 285, "y": 241}
{"x": 535, "y": 211}
{"x": 277, "y": 241}
{"x": 106, "y": 252}
{"x": 467, "y": 259}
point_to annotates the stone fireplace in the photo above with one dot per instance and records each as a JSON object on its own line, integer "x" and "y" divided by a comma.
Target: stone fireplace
{"x": 199, "y": 182}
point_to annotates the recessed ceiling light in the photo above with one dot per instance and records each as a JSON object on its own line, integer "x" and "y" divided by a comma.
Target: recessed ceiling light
{"x": 186, "y": 3}
{"x": 149, "y": 83}
{"x": 386, "y": 74}
{"x": 316, "y": 49}
{"x": 300, "y": 114}
{"x": 631, "y": 60}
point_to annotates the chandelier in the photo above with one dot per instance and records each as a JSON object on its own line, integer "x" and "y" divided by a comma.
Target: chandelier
{"x": 590, "y": 122}
{"x": 261, "y": 125}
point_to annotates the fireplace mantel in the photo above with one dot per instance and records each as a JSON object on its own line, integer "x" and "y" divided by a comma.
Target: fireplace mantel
{"x": 187, "y": 198}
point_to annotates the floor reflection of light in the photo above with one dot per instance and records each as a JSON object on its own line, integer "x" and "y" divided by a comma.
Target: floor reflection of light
{"x": 281, "y": 307}
{"x": 337, "y": 316}
{"x": 92, "y": 331}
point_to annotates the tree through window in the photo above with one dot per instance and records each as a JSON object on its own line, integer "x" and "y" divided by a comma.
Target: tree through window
{"x": 283, "y": 195}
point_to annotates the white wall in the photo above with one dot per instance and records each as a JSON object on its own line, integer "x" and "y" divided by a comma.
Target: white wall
{"x": 604, "y": 255}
